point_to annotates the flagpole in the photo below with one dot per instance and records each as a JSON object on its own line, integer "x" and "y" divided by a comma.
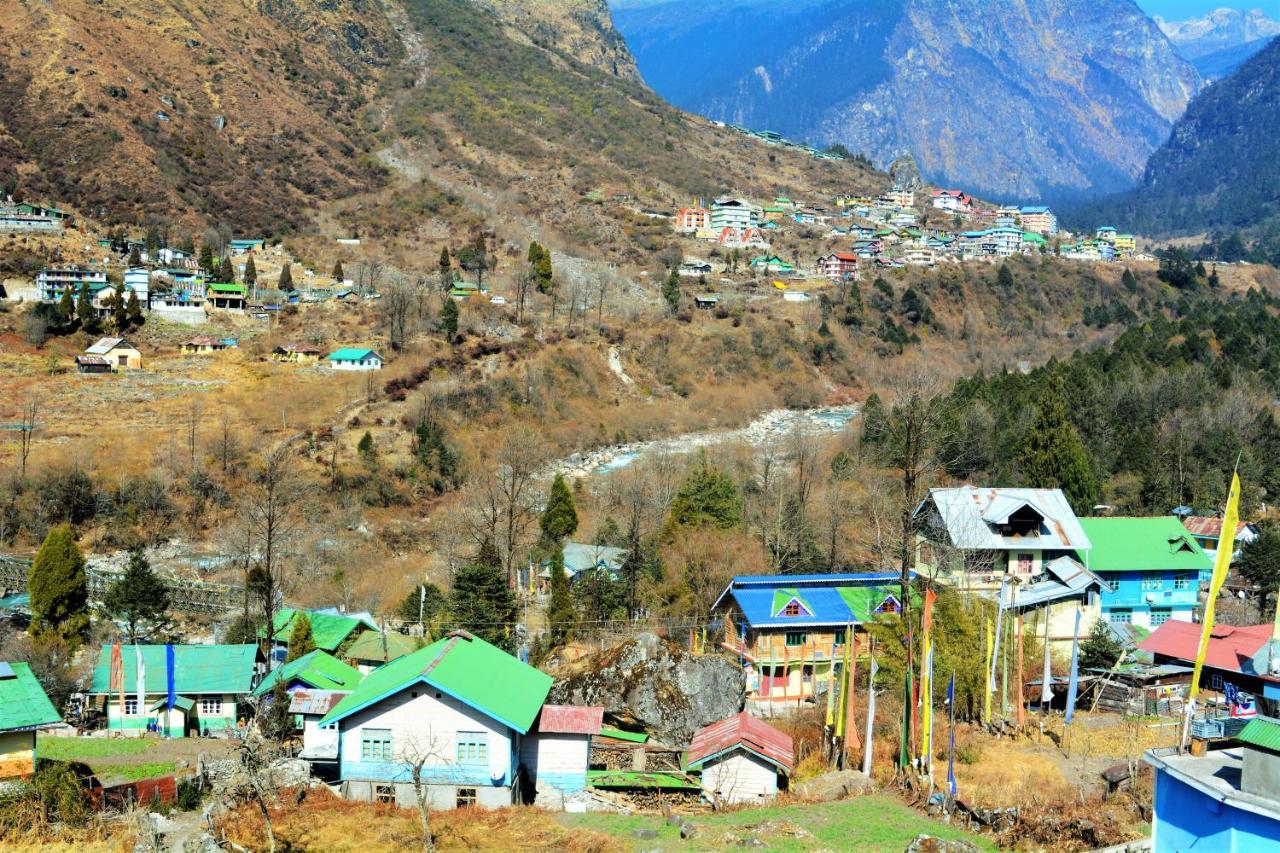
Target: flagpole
{"x": 869, "y": 746}
{"x": 1018, "y": 693}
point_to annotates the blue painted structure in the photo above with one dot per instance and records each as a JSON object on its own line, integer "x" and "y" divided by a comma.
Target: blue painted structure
{"x": 1199, "y": 806}
{"x": 1175, "y": 591}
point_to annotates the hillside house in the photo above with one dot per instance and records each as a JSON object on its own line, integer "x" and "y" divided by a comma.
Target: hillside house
{"x": 839, "y": 266}
{"x": 1236, "y": 655}
{"x": 771, "y": 264}
{"x": 329, "y": 631}
{"x": 175, "y": 259}
{"x": 1006, "y": 239}
{"x": 1150, "y": 567}
{"x": 50, "y": 283}
{"x": 741, "y": 759}
{"x": 202, "y": 344}
{"x": 24, "y": 709}
{"x": 180, "y": 288}
{"x": 118, "y": 353}
{"x": 1207, "y": 531}
{"x": 742, "y": 238}
{"x": 138, "y": 279}
{"x": 735, "y": 213}
{"x": 1033, "y": 243}
{"x": 209, "y": 683}
{"x": 229, "y": 297}
{"x": 371, "y": 649}
{"x": 790, "y": 630}
{"x": 691, "y": 220}
{"x": 1125, "y": 244}
{"x": 297, "y": 353}
{"x": 243, "y": 247}
{"x": 14, "y": 218}
{"x": 705, "y": 301}
{"x": 460, "y": 707}
{"x": 1039, "y": 219}
{"x": 952, "y": 201}
{"x": 920, "y": 257}
{"x": 557, "y": 751}
{"x": 1106, "y": 234}
{"x": 92, "y": 364}
{"x": 899, "y": 198}
{"x": 317, "y": 670}
{"x": 354, "y": 358}
{"x": 694, "y": 269}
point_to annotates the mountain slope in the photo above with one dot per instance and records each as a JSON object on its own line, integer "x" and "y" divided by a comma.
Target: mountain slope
{"x": 1218, "y": 42}
{"x": 1048, "y": 97}
{"x": 1220, "y": 167}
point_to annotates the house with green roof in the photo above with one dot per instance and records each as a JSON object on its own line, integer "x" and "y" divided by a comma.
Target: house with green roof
{"x": 1150, "y": 569}
{"x": 24, "y": 708}
{"x": 318, "y": 670}
{"x": 372, "y": 649}
{"x": 329, "y": 631}
{"x": 461, "y": 707}
{"x": 209, "y": 685}
{"x": 231, "y": 297}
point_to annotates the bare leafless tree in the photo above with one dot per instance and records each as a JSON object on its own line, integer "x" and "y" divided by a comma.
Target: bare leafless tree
{"x": 27, "y": 433}
{"x": 401, "y": 307}
{"x": 193, "y": 430}
{"x": 369, "y": 274}
{"x": 228, "y": 446}
{"x": 273, "y": 507}
{"x": 507, "y": 502}
{"x": 417, "y": 754}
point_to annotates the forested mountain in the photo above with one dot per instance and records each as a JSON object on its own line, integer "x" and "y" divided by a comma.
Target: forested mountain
{"x": 1220, "y": 168}
{"x": 1049, "y": 97}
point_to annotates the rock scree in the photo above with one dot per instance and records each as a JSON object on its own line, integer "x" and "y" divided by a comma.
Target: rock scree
{"x": 652, "y": 683}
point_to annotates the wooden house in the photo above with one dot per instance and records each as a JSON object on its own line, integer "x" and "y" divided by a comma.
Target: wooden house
{"x": 297, "y": 353}
{"x": 557, "y": 749}
{"x": 24, "y": 708}
{"x": 203, "y": 344}
{"x": 791, "y": 631}
{"x": 741, "y": 759}
{"x": 118, "y": 352}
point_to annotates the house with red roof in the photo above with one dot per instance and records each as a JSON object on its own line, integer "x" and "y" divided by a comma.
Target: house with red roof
{"x": 557, "y": 750}
{"x": 1237, "y": 655}
{"x": 839, "y": 266}
{"x": 741, "y": 759}
{"x": 954, "y": 201}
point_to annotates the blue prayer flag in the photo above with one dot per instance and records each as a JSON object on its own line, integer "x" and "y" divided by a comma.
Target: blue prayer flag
{"x": 169, "y": 677}
{"x": 951, "y": 755}
{"x": 1072, "y": 684}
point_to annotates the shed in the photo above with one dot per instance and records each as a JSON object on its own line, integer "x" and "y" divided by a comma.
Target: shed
{"x": 318, "y": 670}
{"x": 556, "y": 752}
{"x": 355, "y": 358}
{"x": 92, "y": 364}
{"x": 118, "y": 352}
{"x": 741, "y": 759}
{"x": 24, "y": 707}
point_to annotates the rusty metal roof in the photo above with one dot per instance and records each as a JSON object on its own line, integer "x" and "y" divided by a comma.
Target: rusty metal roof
{"x": 1208, "y": 525}
{"x": 317, "y": 702}
{"x": 1231, "y": 648}
{"x": 570, "y": 719}
{"x": 746, "y": 732}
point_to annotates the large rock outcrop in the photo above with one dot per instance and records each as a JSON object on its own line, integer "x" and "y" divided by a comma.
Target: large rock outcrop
{"x": 650, "y": 682}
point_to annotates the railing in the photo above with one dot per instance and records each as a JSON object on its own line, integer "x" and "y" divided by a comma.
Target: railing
{"x": 185, "y": 595}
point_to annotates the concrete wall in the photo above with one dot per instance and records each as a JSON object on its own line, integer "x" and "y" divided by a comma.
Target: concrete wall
{"x": 740, "y": 778}
{"x": 17, "y": 754}
{"x": 1261, "y": 773}
{"x": 426, "y": 722}
{"x": 440, "y": 797}
{"x": 1186, "y": 819}
{"x": 556, "y": 760}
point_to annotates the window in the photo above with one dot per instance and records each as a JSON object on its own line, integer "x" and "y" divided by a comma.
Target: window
{"x": 794, "y": 608}
{"x": 1111, "y": 584}
{"x": 1152, "y": 583}
{"x": 1216, "y": 682}
{"x": 795, "y": 638}
{"x": 384, "y": 794}
{"x": 473, "y": 748}
{"x": 210, "y": 705}
{"x": 1183, "y": 582}
{"x": 131, "y": 707}
{"x": 375, "y": 745}
{"x": 889, "y": 605}
{"x": 1025, "y": 562}
{"x": 1120, "y": 617}
{"x": 1160, "y": 615}
{"x": 466, "y": 798}
{"x": 839, "y": 637}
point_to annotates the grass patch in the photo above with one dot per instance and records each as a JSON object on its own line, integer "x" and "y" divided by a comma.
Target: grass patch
{"x": 110, "y": 774}
{"x": 863, "y": 823}
{"x": 88, "y": 748}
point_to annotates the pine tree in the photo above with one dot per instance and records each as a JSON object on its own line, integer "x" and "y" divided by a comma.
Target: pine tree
{"x": 366, "y": 448}
{"x": 228, "y": 271}
{"x": 138, "y": 598}
{"x": 482, "y": 603}
{"x": 1053, "y": 454}
{"x": 449, "y": 319}
{"x": 134, "y": 310}
{"x": 119, "y": 311}
{"x": 446, "y": 270}
{"x": 58, "y": 588}
{"x": 66, "y": 306}
{"x": 431, "y": 448}
{"x": 338, "y": 274}
{"x": 84, "y": 308}
{"x": 671, "y": 291}
{"x": 250, "y": 271}
{"x": 1100, "y": 650}
{"x": 277, "y": 723}
{"x": 286, "y": 279}
{"x": 135, "y": 257}
{"x": 561, "y": 617}
{"x": 1005, "y": 278}
{"x": 206, "y": 259}
{"x": 301, "y": 641}
{"x": 707, "y": 497}
{"x": 1129, "y": 281}
{"x": 560, "y": 518}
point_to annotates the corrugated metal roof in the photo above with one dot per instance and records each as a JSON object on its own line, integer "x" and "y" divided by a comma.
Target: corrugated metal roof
{"x": 197, "y": 669}
{"x": 23, "y": 704}
{"x": 106, "y": 345}
{"x": 374, "y": 646}
{"x": 1230, "y": 648}
{"x": 318, "y": 669}
{"x": 971, "y": 516}
{"x": 742, "y": 730}
{"x": 1136, "y": 544}
{"x": 619, "y": 734}
{"x": 1210, "y": 526}
{"x": 328, "y": 631}
{"x": 826, "y": 600}
{"x": 1063, "y": 579}
{"x": 1263, "y": 732}
{"x": 315, "y": 702}
{"x": 467, "y": 668}
{"x": 570, "y": 719}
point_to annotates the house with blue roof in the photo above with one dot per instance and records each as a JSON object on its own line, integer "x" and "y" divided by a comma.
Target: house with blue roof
{"x": 355, "y": 358}
{"x": 791, "y": 631}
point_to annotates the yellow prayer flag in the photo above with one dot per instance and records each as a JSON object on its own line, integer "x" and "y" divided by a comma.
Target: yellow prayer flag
{"x": 1226, "y": 544}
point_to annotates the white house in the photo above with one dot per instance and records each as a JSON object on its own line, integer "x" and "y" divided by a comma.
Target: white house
{"x": 741, "y": 758}
{"x": 355, "y": 358}
{"x": 556, "y": 753}
{"x": 458, "y": 710}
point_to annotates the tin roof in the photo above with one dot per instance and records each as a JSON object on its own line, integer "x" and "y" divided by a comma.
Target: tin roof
{"x": 1209, "y": 525}
{"x": 197, "y": 669}
{"x": 93, "y": 359}
{"x": 106, "y": 345}
{"x": 972, "y": 517}
{"x": 318, "y": 669}
{"x": 352, "y": 354}
{"x": 824, "y": 600}
{"x": 746, "y": 732}
{"x": 1230, "y": 648}
{"x": 371, "y": 646}
{"x": 570, "y": 719}
{"x": 328, "y": 630}
{"x": 1063, "y": 579}
{"x": 1136, "y": 544}
{"x": 470, "y": 670}
{"x": 314, "y": 702}
{"x": 23, "y": 703}
{"x": 1263, "y": 732}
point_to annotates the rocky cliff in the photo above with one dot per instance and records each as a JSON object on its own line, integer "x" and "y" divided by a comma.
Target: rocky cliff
{"x": 1048, "y": 97}
{"x": 582, "y": 29}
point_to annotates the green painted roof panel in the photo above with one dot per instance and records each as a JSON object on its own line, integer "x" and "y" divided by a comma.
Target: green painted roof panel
{"x": 1135, "y": 544}
{"x": 197, "y": 669}
{"x": 23, "y": 703}
{"x": 619, "y": 734}
{"x": 467, "y": 668}
{"x": 328, "y": 630}
{"x": 1263, "y": 732}
{"x": 319, "y": 670}
{"x": 370, "y": 646}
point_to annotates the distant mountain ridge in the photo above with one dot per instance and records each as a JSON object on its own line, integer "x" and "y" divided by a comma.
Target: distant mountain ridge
{"x": 1049, "y": 98}
{"x": 1218, "y": 42}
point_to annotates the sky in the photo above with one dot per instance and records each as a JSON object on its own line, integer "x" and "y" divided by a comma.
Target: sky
{"x": 1178, "y": 10}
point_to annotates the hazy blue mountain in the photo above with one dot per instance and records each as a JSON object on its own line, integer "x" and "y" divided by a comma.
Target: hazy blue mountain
{"x": 1218, "y": 42}
{"x": 1039, "y": 98}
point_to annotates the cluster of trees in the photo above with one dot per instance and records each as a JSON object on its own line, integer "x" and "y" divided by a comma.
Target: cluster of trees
{"x": 76, "y": 312}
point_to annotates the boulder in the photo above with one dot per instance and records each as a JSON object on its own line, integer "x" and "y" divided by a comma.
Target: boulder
{"x": 833, "y": 786}
{"x": 929, "y": 844}
{"x": 905, "y": 174}
{"x": 654, "y": 684}
{"x": 550, "y": 798}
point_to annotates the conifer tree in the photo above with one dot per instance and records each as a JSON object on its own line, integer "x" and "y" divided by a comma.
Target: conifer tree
{"x": 482, "y": 603}
{"x": 1053, "y": 454}
{"x": 206, "y": 259}
{"x": 250, "y": 271}
{"x": 707, "y": 497}
{"x": 301, "y": 641}
{"x": 449, "y": 318}
{"x": 84, "y": 308}
{"x": 338, "y": 274}
{"x": 446, "y": 270}
{"x": 560, "y": 517}
{"x": 135, "y": 257}
{"x": 671, "y": 291}
{"x": 561, "y": 617}
{"x": 134, "y": 310}
{"x": 59, "y": 589}
{"x": 138, "y": 598}
{"x": 1005, "y": 278}
{"x": 119, "y": 311}
{"x": 66, "y": 307}
{"x": 286, "y": 279}
{"x": 1129, "y": 281}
